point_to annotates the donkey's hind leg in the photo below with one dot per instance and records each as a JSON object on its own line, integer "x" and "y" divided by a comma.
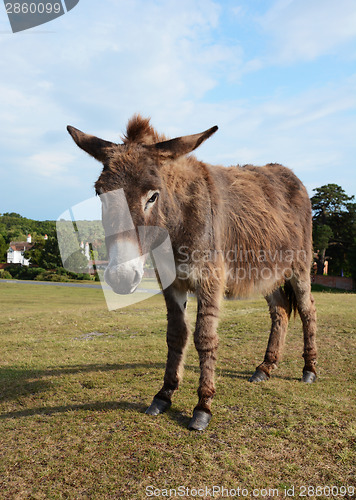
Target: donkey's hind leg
{"x": 307, "y": 312}
{"x": 177, "y": 336}
{"x": 279, "y": 310}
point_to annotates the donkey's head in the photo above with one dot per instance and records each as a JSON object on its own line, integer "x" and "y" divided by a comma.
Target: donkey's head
{"x": 131, "y": 187}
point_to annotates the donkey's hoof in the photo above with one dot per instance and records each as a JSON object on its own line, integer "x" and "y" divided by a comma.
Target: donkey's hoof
{"x": 259, "y": 376}
{"x": 308, "y": 377}
{"x": 158, "y": 406}
{"x": 200, "y": 420}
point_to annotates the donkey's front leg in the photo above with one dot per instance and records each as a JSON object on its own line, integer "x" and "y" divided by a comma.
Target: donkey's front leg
{"x": 206, "y": 342}
{"x": 177, "y": 336}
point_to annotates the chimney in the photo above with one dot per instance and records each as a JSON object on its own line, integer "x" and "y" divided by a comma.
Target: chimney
{"x": 29, "y": 239}
{"x": 86, "y": 251}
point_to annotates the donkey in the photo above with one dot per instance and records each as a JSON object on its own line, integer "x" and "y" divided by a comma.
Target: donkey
{"x": 235, "y": 231}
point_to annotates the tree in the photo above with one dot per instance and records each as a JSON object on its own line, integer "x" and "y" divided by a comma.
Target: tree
{"x": 51, "y": 257}
{"x": 3, "y": 230}
{"x": 329, "y": 200}
{"x": 12, "y": 214}
{"x": 322, "y": 235}
{"x": 35, "y": 255}
{"x": 334, "y": 227}
{"x": 77, "y": 262}
{"x": 15, "y": 227}
{"x": 3, "y": 248}
{"x": 45, "y": 253}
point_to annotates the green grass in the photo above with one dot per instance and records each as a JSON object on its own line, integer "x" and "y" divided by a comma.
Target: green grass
{"x": 75, "y": 380}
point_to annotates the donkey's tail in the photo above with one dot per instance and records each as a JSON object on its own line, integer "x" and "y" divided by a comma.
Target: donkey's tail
{"x": 291, "y": 297}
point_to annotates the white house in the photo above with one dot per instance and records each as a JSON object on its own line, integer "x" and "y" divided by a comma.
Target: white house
{"x": 15, "y": 254}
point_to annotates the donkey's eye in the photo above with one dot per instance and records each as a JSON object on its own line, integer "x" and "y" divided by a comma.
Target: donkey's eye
{"x": 153, "y": 195}
{"x": 153, "y": 198}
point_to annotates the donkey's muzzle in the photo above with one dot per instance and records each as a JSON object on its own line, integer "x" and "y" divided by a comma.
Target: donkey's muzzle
{"x": 123, "y": 279}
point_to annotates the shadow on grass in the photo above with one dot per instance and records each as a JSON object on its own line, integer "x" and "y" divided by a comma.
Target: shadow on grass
{"x": 101, "y": 406}
{"x": 178, "y": 417}
{"x": 16, "y": 382}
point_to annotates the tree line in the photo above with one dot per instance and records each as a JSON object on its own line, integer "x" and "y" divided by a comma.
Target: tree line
{"x": 334, "y": 230}
{"x": 334, "y": 237}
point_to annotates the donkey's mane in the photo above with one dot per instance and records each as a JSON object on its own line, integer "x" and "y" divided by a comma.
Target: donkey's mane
{"x": 140, "y": 131}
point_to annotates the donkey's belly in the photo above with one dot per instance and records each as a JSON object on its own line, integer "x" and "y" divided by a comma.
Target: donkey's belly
{"x": 249, "y": 280}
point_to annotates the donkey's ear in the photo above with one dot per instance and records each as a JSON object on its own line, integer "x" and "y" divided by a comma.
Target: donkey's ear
{"x": 98, "y": 148}
{"x": 183, "y": 145}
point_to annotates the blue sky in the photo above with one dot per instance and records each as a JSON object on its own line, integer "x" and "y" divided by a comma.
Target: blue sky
{"x": 277, "y": 77}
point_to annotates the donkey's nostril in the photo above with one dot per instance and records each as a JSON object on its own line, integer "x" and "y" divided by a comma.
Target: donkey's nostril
{"x": 122, "y": 280}
{"x": 137, "y": 278}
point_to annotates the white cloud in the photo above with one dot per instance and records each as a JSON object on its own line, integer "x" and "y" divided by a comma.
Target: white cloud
{"x": 313, "y": 133}
{"x": 50, "y": 164}
{"x": 129, "y": 56}
{"x": 304, "y": 29}
{"x": 237, "y": 11}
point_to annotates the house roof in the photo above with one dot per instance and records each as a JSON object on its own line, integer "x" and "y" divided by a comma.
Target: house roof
{"x": 20, "y": 246}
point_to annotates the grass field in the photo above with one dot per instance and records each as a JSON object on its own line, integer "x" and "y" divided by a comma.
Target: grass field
{"x": 76, "y": 379}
